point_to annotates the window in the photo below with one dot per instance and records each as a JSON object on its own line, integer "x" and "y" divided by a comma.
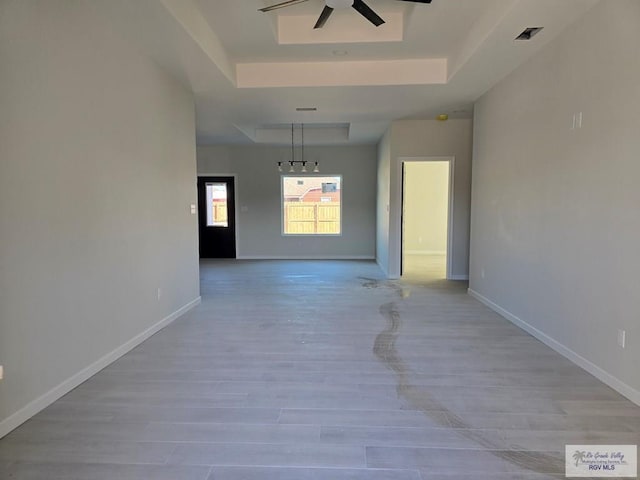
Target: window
{"x": 311, "y": 205}
{"x": 217, "y": 213}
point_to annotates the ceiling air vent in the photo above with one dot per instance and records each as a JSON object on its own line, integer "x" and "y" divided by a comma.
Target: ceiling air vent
{"x": 306, "y": 109}
{"x": 529, "y": 33}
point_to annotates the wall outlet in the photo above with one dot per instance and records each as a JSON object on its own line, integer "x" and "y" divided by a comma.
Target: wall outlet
{"x": 622, "y": 338}
{"x": 159, "y": 293}
{"x": 193, "y": 209}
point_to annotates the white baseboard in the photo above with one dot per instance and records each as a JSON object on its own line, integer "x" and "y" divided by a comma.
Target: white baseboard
{"x": 602, "y": 375}
{"x": 306, "y": 257}
{"x": 425, "y": 252}
{"x": 32, "y": 408}
{"x": 458, "y": 277}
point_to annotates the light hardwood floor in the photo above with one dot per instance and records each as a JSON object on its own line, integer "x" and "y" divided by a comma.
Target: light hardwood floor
{"x": 418, "y": 267}
{"x": 324, "y": 370}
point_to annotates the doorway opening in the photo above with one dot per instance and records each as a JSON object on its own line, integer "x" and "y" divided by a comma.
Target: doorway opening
{"x": 426, "y": 217}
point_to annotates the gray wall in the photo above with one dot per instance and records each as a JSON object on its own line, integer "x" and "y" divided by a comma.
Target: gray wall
{"x": 556, "y": 210}
{"x": 97, "y": 172}
{"x": 382, "y": 201}
{"x": 423, "y": 138}
{"x": 259, "y": 212}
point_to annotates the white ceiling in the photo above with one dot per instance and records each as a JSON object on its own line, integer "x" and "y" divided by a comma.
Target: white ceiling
{"x": 247, "y": 83}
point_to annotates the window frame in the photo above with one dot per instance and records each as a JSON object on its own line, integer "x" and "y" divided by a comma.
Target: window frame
{"x": 282, "y": 204}
{"x": 209, "y": 213}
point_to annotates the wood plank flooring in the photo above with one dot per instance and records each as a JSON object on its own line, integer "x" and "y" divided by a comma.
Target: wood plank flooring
{"x": 308, "y": 370}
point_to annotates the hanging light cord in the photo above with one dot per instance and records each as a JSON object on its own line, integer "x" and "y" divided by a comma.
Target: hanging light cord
{"x": 293, "y": 160}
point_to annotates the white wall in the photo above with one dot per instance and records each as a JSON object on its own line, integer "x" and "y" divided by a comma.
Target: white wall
{"x": 556, "y": 211}
{"x": 424, "y": 138}
{"x": 426, "y": 207}
{"x": 259, "y": 209}
{"x": 97, "y": 171}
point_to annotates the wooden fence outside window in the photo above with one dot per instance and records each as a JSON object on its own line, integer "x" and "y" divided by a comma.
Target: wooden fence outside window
{"x": 307, "y": 218}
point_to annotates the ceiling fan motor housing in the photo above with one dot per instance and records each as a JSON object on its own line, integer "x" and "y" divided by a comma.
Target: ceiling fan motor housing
{"x": 339, "y": 3}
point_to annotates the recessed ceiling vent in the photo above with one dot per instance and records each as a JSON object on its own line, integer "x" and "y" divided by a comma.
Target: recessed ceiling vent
{"x": 529, "y": 33}
{"x": 306, "y": 109}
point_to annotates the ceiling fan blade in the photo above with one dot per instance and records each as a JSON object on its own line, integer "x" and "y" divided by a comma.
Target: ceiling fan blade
{"x": 324, "y": 16}
{"x": 282, "y": 5}
{"x": 364, "y": 10}
{"x": 416, "y": 1}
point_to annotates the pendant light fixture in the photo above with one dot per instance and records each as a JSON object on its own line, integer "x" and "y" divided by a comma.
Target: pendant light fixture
{"x": 302, "y": 161}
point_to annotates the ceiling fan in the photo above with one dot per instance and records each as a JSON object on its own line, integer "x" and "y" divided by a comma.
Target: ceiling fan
{"x": 330, "y": 5}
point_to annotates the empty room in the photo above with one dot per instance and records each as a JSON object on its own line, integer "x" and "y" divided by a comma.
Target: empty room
{"x": 319, "y": 239}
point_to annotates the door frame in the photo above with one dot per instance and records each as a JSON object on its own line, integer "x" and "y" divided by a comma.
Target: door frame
{"x": 451, "y": 160}
{"x": 235, "y": 199}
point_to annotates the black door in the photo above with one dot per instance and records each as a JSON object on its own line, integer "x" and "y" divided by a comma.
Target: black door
{"x": 217, "y": 217}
